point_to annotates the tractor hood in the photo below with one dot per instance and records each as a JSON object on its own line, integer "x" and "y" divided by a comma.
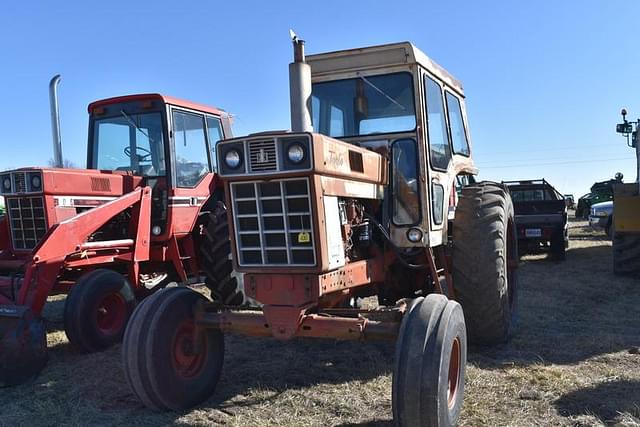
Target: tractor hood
{"x": 66, "y": 182}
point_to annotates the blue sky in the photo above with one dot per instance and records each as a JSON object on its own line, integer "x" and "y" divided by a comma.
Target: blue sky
{"x": 544, "y": 80}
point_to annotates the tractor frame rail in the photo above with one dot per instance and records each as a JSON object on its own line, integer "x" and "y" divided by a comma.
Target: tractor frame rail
{"x": 286, "y": 322}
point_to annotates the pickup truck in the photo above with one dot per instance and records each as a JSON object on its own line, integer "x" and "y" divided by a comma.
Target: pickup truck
{"x": 541, "y": 217}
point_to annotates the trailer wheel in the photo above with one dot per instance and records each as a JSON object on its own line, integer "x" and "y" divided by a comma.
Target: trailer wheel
{"x": 97, "y": 310}
{"x": 215, "y": 258}
{"x": 558, "y": 247}
{"x": 626, "y": 253}
{"x": 166, "y": 368}
{"x": 431, "y": 355}
{"x": 485, "y": 259}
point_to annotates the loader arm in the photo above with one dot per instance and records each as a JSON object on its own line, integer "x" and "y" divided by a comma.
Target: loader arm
{"x": 70, "y": 236}
{"x": 4, "y": 233}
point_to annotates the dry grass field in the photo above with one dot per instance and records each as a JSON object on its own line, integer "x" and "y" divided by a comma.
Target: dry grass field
{"x": 574, "y": 361}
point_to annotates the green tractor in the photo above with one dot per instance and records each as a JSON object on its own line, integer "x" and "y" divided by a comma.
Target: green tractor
{"x": 599, "y": 192}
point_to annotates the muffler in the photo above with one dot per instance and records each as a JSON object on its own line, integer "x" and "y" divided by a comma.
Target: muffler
{"x": 300, "y": 88}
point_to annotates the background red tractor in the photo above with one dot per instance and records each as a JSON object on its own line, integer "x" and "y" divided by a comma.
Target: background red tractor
{"x": 145, "y": 212}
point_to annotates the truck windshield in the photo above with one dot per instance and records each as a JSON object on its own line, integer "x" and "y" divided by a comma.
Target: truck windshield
{"x": 364, "y": 105}
{"x": 130, "y": 142}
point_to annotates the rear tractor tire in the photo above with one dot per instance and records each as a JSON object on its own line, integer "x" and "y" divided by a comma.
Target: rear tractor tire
{"x": 215, "y": 258}
{"x": 626, "y": 254}
{"x": 430, "y": 362}
{"x": 164, "y": 365}
{"x": 485, "y": 259}
{"x": 97, "y": 310}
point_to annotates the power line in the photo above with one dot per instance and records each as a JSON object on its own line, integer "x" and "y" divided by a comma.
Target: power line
{"x": 554, "y": 163}
{"x": 560, "y": 148}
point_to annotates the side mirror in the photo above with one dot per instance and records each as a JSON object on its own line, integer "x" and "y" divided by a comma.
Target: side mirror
{"x": 625, "y": 127}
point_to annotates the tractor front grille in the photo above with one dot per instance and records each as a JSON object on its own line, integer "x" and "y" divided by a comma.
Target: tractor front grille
{"x": 273, "y": 223}
{"x": 27, "y": 221}
{"x": 262, "y": 156}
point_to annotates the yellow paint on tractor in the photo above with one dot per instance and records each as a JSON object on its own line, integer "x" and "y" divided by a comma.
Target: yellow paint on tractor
{"x": 626, "y": 208}
{"x": 627, "y": 213}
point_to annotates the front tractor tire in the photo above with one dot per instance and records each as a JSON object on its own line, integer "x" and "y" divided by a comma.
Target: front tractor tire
{"x": 164, "y": 364}
{"x": 430, "y": 362}
{"x": 97, "y": 310}
{"x": 485, "y": 258}
{"x": 215, "y": 258}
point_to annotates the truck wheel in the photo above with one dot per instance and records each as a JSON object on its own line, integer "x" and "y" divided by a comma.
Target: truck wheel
{"x": 431, "y": 355}
{"x": 558, "y": 247}
{"x": 97, "y": 310}
{"x": 215, "y": 258}
{"x": 161, "y": 363}
{"x": 626, "y": 254}
{"x": 485, "y": 260}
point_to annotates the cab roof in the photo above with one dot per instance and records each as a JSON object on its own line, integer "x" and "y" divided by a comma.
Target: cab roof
{"x": 381, "y": 56}
{"x": 163, "y": 98}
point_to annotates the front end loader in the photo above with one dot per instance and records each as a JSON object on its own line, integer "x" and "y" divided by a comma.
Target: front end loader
{"x": 115, "y": 232}
{"x": 358, "y": 200}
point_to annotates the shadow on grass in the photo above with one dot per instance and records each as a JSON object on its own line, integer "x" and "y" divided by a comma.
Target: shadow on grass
{"x": 375, "y": 423}
{"x": 256, "y": 371}
{"x": 569, "y": 312}
{"x": 608, "y": 401}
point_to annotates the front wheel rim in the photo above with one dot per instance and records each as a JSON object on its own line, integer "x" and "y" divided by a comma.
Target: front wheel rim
{"x": 186, "y": 361}
{"x": 455, "y": 362}
{"x": 111, "y": 314}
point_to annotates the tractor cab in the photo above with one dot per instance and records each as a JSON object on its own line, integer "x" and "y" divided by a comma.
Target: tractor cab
{"x": 167, "y": 142}
{"x": 395, "y": 100}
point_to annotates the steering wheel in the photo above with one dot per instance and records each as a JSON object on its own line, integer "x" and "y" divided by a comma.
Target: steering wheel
{"x": 146, "y": 153}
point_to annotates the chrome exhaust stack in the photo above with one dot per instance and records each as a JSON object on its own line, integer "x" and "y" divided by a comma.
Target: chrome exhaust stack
{"x": 300, "y": 88}
{"x": 55, "y": 121}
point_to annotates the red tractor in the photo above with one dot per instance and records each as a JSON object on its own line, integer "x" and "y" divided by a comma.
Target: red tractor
{"x": 147, "y": 211}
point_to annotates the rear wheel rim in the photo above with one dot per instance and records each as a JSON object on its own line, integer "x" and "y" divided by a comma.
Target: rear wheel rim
{"x": 186, "y": 362}
{"x": 455, "y": 363}
{"x": 111, "y": 314}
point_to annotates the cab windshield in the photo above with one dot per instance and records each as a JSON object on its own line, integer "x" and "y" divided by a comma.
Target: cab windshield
{"x": 364, "y": 105}
{"x": 130, "y": 142}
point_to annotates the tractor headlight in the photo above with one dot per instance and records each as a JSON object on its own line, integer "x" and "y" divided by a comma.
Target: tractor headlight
{"x": 232, "y": 159}
{"x": 414, "y": 235}
{"x": 6, "y": 184}
{"x": 295, "y": 153}
{"x": 36, "y": 182}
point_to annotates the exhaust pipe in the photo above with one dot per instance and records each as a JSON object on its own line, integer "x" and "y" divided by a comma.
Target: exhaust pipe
{"x": 55, "y": 121}
{"x": 300, "y": 88}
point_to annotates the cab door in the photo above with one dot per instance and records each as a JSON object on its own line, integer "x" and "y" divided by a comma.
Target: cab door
{"x": 439, "y": 155}
{"x": 191, "y": 168}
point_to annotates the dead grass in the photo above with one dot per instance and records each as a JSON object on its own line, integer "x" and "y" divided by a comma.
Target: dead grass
{"x": 572, "y": 362}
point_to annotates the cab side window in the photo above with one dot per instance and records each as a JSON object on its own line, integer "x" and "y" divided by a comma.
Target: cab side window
{"x": 214, "y": 132}
{"x": 192, "y": 162}
{"x": 456, "y": 125}
{"x": 440, "y": 152}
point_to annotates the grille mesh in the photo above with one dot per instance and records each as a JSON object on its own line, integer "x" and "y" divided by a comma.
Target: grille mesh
{"x": 20, "y": 182}
{"x": 262, "y": 156}
{"x": 273, "y": 223}
{"x": 28, "y": 222}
